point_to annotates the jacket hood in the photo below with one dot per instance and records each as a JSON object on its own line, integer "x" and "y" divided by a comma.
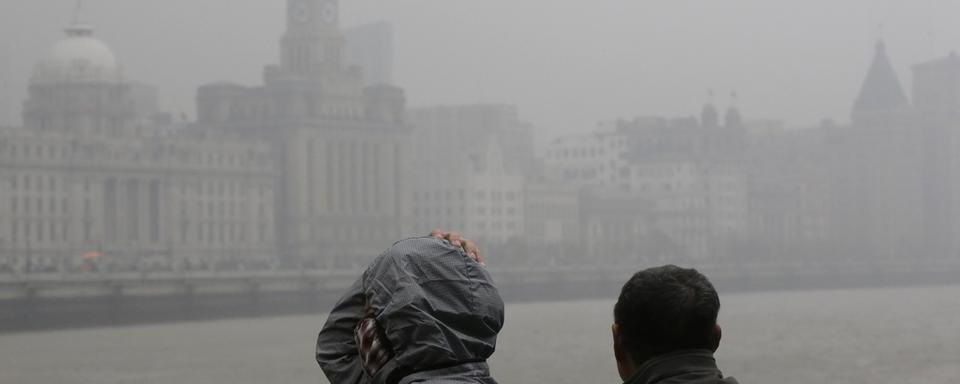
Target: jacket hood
{"x": 436, "y": 306}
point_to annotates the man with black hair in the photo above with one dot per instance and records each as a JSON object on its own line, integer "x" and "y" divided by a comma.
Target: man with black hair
{"x": 665, "y": 328}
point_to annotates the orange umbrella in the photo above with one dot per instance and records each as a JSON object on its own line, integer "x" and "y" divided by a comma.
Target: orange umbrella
{"x": 92, "y": 255}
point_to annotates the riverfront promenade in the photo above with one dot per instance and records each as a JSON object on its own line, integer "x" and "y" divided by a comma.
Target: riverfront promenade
{"x": 68, "y": 300}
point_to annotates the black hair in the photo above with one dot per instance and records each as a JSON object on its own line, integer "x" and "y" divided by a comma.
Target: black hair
{"x": 665, "y": 309}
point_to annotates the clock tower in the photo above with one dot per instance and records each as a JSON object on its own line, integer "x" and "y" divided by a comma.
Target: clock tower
{"x": 339, "y": 148}
{"x": 313, "y": 42}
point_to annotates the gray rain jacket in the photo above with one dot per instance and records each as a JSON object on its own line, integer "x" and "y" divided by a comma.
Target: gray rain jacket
{"x": 437, "y": 307}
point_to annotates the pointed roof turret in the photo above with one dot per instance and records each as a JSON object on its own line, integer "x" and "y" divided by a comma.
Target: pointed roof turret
{"x": 733, "y": 119}
{"x": 709, "y": 117}
{"x": 881, "y": 89}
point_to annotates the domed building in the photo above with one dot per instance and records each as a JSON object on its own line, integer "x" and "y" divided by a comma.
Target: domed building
{"x": 89, "y": 174}
{"x": 79, "y": 87}
{"x": 79, "y": 58}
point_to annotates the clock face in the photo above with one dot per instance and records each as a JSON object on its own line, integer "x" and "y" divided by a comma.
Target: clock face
{"x": 329, "y": 11}
{"x": 300, "y": 11}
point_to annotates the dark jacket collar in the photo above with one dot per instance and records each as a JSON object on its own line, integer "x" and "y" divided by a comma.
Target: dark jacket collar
{"x": 695, "y": 366}
{"x": 474, "y": 372}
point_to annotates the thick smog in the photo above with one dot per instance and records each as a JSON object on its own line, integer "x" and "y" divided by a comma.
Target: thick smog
{"x": 413, "y": 191}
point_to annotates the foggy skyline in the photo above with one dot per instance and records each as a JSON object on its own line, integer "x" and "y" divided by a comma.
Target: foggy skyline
{"x": 566, "y": 65}
{"x": 569, "y": 141}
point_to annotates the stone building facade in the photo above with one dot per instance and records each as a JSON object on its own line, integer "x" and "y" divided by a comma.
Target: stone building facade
{"x": 88, "y": 174}
{"x": 341, "y": 148}
{"x": 469, "y": 170}
{"x": 681, "y": 185}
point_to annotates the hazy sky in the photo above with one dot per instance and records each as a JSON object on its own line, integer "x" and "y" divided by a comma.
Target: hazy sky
{"x": 567, "y": 64}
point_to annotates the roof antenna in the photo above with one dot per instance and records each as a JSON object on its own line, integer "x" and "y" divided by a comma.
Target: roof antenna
{"x": 77, "y": 11}
{"x": 932, "y": 34}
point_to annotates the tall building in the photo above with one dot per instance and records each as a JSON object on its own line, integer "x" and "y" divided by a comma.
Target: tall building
{"x": 448, "y": 133}
{"x": 370, "y": 46}
{"x": 685, "y": 180}
{"x": 468, "y": 170}
{"x": 87, "y": 175}
{"x": 341, "y": 147}
{"x": 587, "y": 160}
{"x": 883, "y": 188}
{"x": 7, "y": 102}
{"x": 551, "y": 220}
{"x": 881, "y": 169}
{"x": 936, "y": 95}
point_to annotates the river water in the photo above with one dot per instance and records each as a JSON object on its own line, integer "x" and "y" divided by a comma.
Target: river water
{"x": 882, "y": 335}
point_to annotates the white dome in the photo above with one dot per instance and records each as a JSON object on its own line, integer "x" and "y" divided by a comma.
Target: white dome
{"x": 79, "y": 57}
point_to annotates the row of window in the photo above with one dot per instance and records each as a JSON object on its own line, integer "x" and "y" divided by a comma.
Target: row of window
{"x": 39, "y": 205}
{"x": 494, "y": 195}
{"x": 111, "y": 125}
{"x": 357, "y": 174}
{"x": 40, "y": 232}
{"x": 583, "y": 174}
{"x": 497, "y": 225}
{"x": 686, "y": 186}
{"x": 575, "y": 153}
{"x": 223, "y": 188}
{"x": 222, "y": 234}
{"x": 479, "y": 225}
{"x": 220, "y": 189}
{"x": 62, "y": 152}
{"x": 583, "y": 152}
{"x": 496, "y": 210}
{"x": 229, "y": 209}
{"x": 255, "y": 109}
{"x": 448, "y": 195}
{"x": 449, "y": 211}
{"x": 35, "y": 151}
{"x": 50, "y": 94}
{"x": 356, "y": 233}
{"x": 37, "y": 183}
{"x": 438, "y": 211}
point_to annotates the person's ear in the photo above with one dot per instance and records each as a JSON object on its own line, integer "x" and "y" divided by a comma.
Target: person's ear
{"x": 623, "y": 364}
{"x": 615, "y": 330}
{"x": 715, "y": 335}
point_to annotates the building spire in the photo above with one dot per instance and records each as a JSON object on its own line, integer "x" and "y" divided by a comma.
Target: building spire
{"x": 77, "y": 11}
{"x": 77, "y": 26}
{"x": 881, "y": 89}
{"x": 733, "y": 119}
{"x": 709, "y": 117}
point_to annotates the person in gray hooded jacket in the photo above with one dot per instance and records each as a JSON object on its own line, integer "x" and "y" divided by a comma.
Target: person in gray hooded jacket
{"x": 425, "y": 311}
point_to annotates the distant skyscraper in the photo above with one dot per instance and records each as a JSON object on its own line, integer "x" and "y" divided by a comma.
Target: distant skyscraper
{"x": 936, "y": 97}
{"x": 370, "y": 46}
